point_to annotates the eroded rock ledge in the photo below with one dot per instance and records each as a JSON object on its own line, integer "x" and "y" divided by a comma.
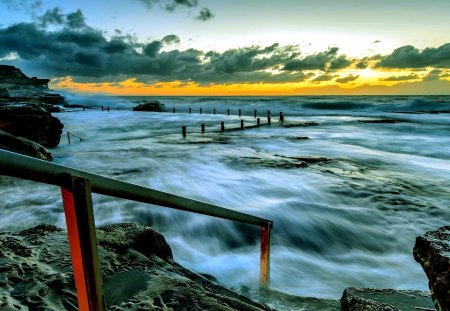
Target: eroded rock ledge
{"x": 137, "y": 268}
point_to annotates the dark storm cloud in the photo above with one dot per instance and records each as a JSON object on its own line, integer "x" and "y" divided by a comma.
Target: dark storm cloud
{"x": 401, "y": 78}
{"x": 347, "y": 79}
{"x": 171, "y": 39}
{"x": 411, "y": 57}
{"x": 204, "y": 15}
{"x": 171, "y": 5}
{"x": 56, "y": 17}
{"x": 435, "y": 75}
{"x": 72, "y": 48}
{"x": 323, "y": 78}
{"x": 324, "y": 61}
{"x": 362, "y": 65}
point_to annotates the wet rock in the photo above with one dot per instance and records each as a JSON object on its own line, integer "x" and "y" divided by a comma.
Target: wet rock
{"x": 4, "y": 92}
{"x": 23, "y": 146}
{"x": 281, "y": 161}
{"x": 137, "y": 266}
{"x": 369, "y": 299}
{"x": 432, "y": 251}
{"x": 299, "y": 124}
{"x": 297, "y": 138}
{"x": 153, "y": 105}
{"x": 380, "y": 121}
{"x": 31, "y": 122}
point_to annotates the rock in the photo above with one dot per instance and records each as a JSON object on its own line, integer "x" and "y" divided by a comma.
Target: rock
{"x": 138, "y": 273}
{"x": 23, "y": 146}
{"x": 31, "y": 122}
{"x": 281, "y": 161}
{"x": 4, "y": 92}
{"x": 432, "y": 251}
{"x": 369, "y": 299}
{"x": 20, "y": 88}
{"x": 380, "y": 121}
{"x": 14, "y": 78}
{"x": 153, "y": 105}
{"x": 299, "y": 124}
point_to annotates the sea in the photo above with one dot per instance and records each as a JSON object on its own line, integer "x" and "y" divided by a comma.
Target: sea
{"x": 349, "y": 183}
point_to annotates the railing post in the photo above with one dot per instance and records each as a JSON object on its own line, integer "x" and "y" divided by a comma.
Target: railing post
{"x": 68, "y": 136}
{"x": 77, "y": 200}
{"x": 183, "y": 131}
{"x": 203, "y": 128}
{"x": 190, "y": 110}
{"x": 214, "y": 111}
{"x": 264, "y": 276}
{"x": 228, "y": 111}
{"x": 200, "y": 110}
{"x": 222, "y": 126}
{"x": 255, "y": 113}
{"x": 239, "y": 113}
{"x": 242, "y": 124}
{"x": 258, "y": 122}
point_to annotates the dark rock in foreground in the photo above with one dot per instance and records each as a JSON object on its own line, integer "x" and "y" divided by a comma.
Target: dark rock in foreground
{"x": 369, "y": 299}
{"x": 432, "y": 251}
{"x": 153, "y": 105}
{"x": 137, "y": 268}
{"x": 23, "y": 146}
{"x": 31, "y": 122}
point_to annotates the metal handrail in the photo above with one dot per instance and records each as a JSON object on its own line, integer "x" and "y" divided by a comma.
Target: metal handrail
{"x": 76, "y": 191}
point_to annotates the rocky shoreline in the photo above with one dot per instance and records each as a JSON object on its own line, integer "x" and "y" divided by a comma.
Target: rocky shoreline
{"x": 26, "y": 123}
{"x": 139, "y": 273}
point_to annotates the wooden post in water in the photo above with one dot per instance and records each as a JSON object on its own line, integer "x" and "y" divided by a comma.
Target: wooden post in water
{"x": 268, "y": 117}
{"x": 203, "y": 128}
{"x": 183, "y": 131}
{"x": 190, "y": 110}
{"x": 281, "y": 117}
{"x": 258, "y": 122}
{"x": 214, "y": 111}
{"x": 222, "y": 126}
{"x": 200, "y": 110}
{"x": 264, "y": 276}
{"x": 239, "y": 113}
{"x": 84, "y": 108}
{"x": 107, "y": 108}
{"x": 102, "y": 108}
{"x": 77, "y": 200}
{"x": 242, "y": 124}
{"x": 228, "y": 111}
{"x": 173, "y": 110}
{"x": 255, "y": 113}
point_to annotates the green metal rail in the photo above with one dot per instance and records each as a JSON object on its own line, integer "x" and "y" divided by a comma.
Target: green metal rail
{"x": 76, "y": 188}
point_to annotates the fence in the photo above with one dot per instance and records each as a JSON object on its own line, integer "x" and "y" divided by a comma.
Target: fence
{"x": 76, "y": 188}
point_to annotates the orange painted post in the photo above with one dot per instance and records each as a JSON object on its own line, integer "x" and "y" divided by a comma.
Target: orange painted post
{"x": 77, "y": 200}
{"x": 264, "y": 276}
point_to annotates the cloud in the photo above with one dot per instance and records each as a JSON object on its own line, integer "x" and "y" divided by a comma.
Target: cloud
{"x": 436, "y": 74}
{"x": 30, "y": 7}
{"x": 322, "y": 78}
{"x": 376, "y": 41}
{"x": 87, "y": 54}
{"x": 362, "y": 65}
{"x": 204, "y": 15}
{"x": 56, "y": 17}
{"x": 401, "y": 78}
{"x": 171, "y": 39}
{"x": 324, "y": 61}
{"x": 347, "y": 79}
{"x": 410, "y": 57}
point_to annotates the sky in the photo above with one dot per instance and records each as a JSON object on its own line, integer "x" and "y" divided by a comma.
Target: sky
{"x": 246, "y": 47}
